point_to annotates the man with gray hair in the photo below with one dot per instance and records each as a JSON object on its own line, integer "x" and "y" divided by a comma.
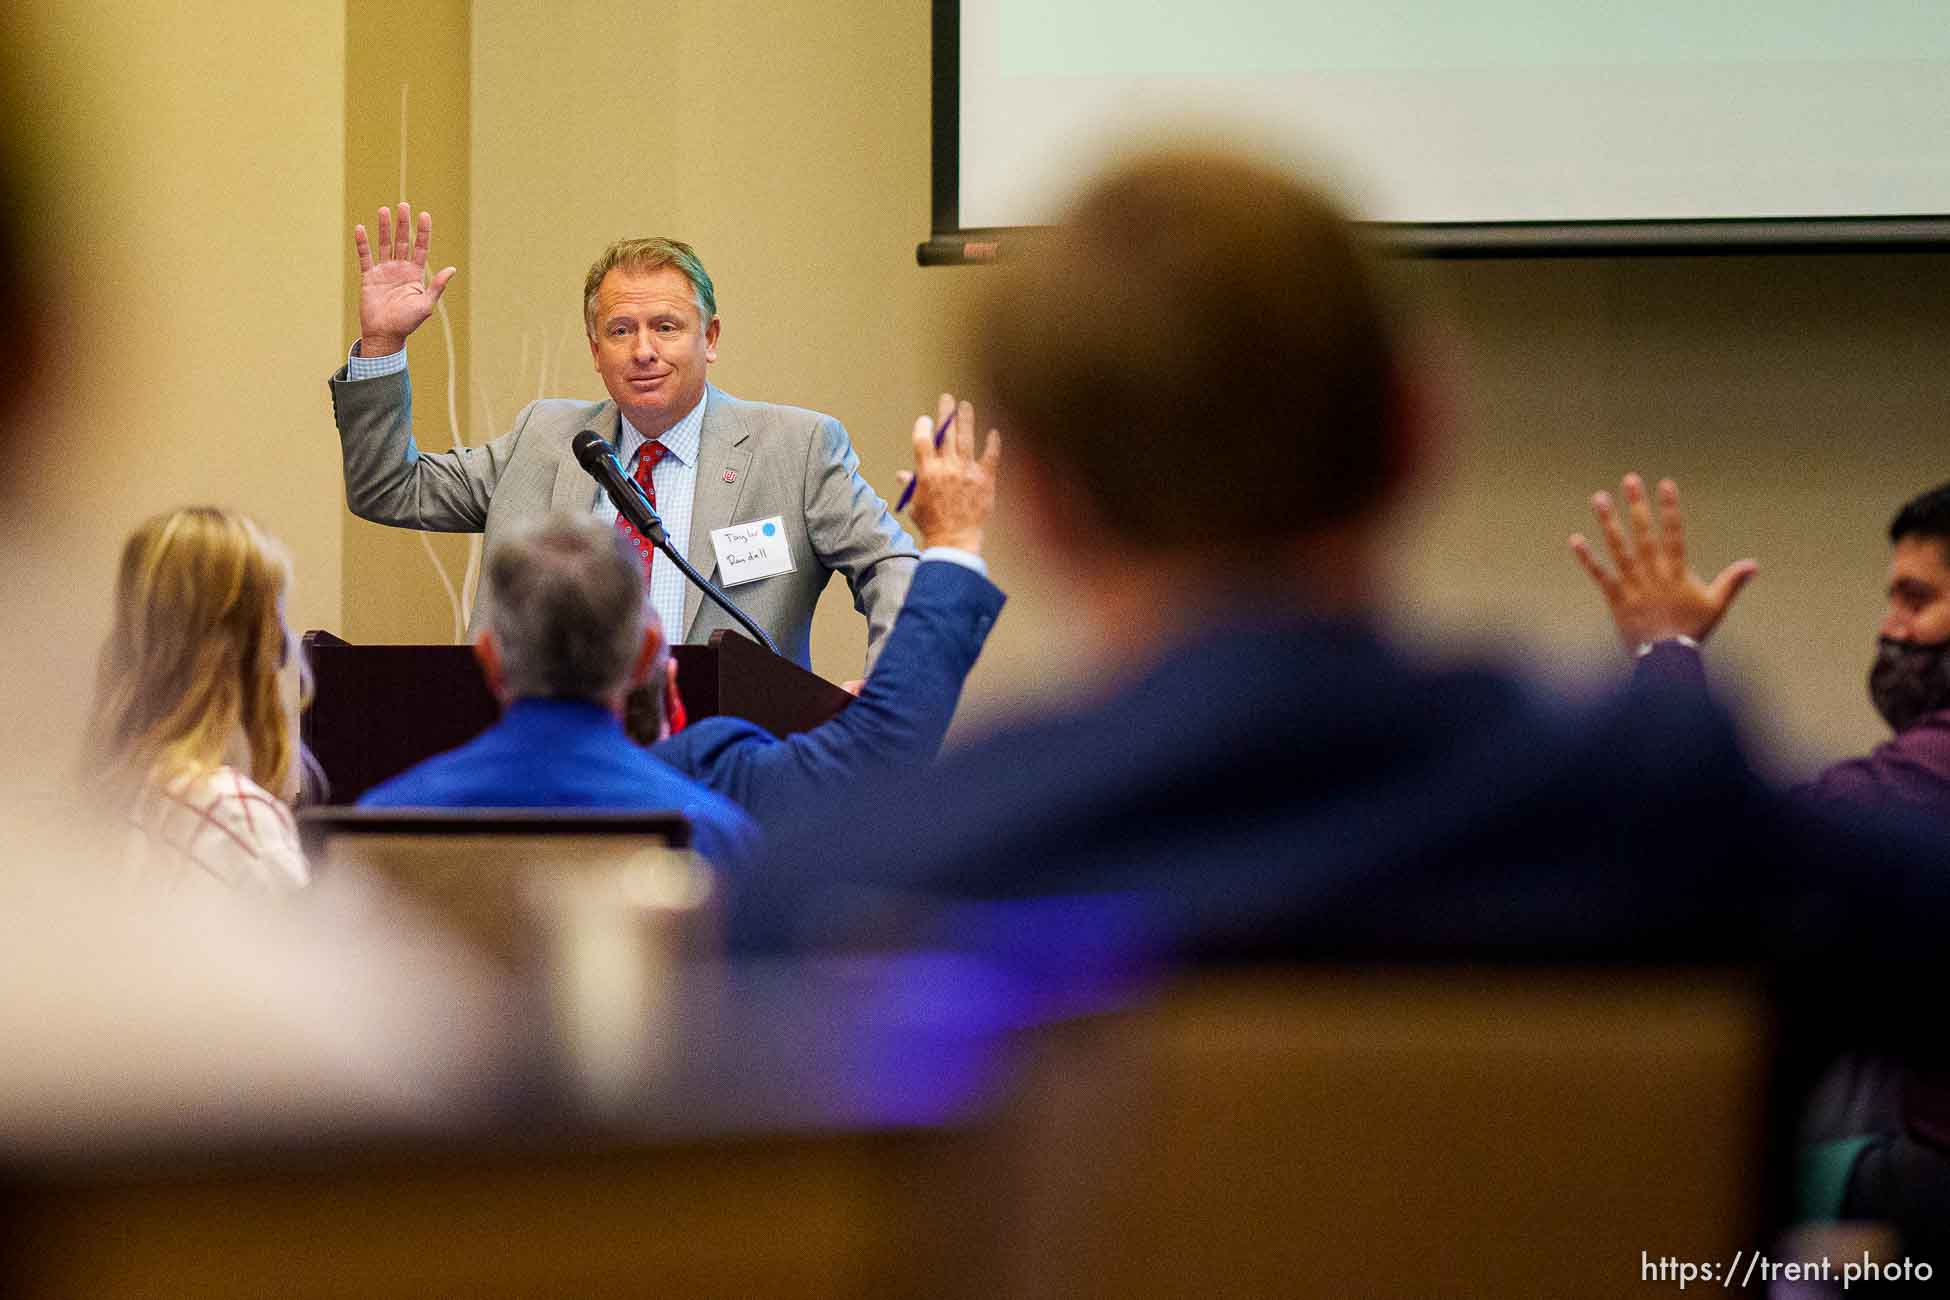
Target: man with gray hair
{"x": 569, "y": 640}
{"x": 565, "y": 638}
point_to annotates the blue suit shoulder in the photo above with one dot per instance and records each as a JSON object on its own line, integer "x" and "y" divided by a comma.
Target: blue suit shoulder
{"x": 899, "y": 719}
{"x": 1263, "y": 778}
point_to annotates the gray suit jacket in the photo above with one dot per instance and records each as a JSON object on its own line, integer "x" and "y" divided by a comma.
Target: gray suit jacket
{"x": 781, "y": 460}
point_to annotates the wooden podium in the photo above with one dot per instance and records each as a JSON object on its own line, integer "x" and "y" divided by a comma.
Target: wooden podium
{"x": 377, "y": 710}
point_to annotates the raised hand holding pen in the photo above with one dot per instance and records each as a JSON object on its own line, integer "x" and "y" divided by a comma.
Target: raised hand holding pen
{"x": 953, "y": 492}
{"x": 952, "y": 489}
{"x": 947, "y": 421}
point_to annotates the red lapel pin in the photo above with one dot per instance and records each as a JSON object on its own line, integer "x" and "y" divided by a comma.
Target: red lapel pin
{"x": 731, "y": 476}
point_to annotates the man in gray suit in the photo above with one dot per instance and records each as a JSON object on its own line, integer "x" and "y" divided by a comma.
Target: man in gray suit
{"x": 709, "y": 461}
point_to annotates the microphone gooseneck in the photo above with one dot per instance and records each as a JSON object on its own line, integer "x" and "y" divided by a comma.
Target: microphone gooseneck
{"x": 598, "y": 458}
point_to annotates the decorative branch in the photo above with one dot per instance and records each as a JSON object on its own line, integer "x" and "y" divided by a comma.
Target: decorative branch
{"x": 402, "y": 141}
{"x": 453, "y": 597}
{"x": 470, "y": 577}
{"x": 457, "y": 599}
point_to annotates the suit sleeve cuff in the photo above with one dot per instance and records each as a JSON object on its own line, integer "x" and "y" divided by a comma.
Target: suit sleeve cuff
{"x": 1673, "y": 660}
{"x": 956, "y": 555}
{"x": 1645, "y": 648}
{"x": 358, "y": 367}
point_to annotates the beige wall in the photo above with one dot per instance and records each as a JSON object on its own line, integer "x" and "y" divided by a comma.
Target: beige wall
{"x": 1797, "y": 399}
{"x": 407, "y": 138}
{"x": 208, "y": 185}
{"x": 197, "y": 149}
{"x": 787, "y": 142}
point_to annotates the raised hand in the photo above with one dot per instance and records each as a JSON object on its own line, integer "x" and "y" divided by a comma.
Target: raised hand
{"x": 395, "y": 296}
{"x": 954, "y": 492}
{"x": 1653, "y": 595}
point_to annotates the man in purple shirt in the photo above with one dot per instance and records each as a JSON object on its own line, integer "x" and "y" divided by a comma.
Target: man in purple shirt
{"x": 1663, "y": 611}
{"x": 1875, "y": 1131}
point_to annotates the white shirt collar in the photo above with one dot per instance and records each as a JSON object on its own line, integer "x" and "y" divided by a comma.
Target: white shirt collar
{"x": 680, "y": 441}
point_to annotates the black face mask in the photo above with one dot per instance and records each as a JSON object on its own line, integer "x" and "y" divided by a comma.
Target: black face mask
{"x": 1908, "y": 680}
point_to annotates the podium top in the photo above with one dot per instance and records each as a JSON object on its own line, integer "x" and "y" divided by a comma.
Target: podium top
{"x": 379, "y": 709}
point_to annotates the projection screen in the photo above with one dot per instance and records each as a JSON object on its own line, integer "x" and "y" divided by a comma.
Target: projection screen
{"x": 1494, "y": 125}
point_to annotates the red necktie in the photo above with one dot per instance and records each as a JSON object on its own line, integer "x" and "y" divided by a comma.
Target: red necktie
{"x": 646, "y": 464}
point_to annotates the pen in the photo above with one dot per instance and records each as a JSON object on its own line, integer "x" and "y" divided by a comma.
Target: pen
{"x": 907, "y": 493}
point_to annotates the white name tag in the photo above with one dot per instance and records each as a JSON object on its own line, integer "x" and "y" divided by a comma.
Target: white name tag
{"x": 748, "y": 552}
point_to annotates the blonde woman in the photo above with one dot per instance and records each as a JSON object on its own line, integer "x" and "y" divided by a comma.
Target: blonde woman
{"x": 193, "y": 736}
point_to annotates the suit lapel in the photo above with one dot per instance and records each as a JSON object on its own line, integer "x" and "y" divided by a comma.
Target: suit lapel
{"x": 574, "y": 490}
{"x": 722, "y": 454}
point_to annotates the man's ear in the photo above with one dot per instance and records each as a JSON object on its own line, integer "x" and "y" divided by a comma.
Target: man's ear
{"x": 673, "y": 702}
{"x": 1057, "y": 520}
{"x": 711, "y": 340}
{"x": 646, "y": 659}
{"x": 25, "y": 358}
{"x": 1420, "y": 404}
{"x": 488, "y": 655}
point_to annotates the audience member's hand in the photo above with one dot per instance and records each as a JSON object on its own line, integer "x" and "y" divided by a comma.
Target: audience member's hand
{"x": 1653, "y": 595}
{"x": 955, "y": 491}
{"x": 395, "y": 296}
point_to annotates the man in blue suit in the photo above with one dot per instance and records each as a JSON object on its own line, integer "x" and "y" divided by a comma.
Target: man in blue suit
{"x": 906, "y": 704}
{"x": 1211, "y": 418}
{"x": 568, "y": 636}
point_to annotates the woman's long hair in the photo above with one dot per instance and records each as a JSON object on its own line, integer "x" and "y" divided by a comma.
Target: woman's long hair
{"x": 192, "y": 664}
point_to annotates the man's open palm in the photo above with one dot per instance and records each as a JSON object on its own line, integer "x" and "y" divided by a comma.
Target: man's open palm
{"x": 1651, "y": 591}
{"x": 395, "y": 295}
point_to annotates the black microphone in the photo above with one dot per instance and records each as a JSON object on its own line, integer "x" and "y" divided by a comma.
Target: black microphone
{"x": 599, "y": 459}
